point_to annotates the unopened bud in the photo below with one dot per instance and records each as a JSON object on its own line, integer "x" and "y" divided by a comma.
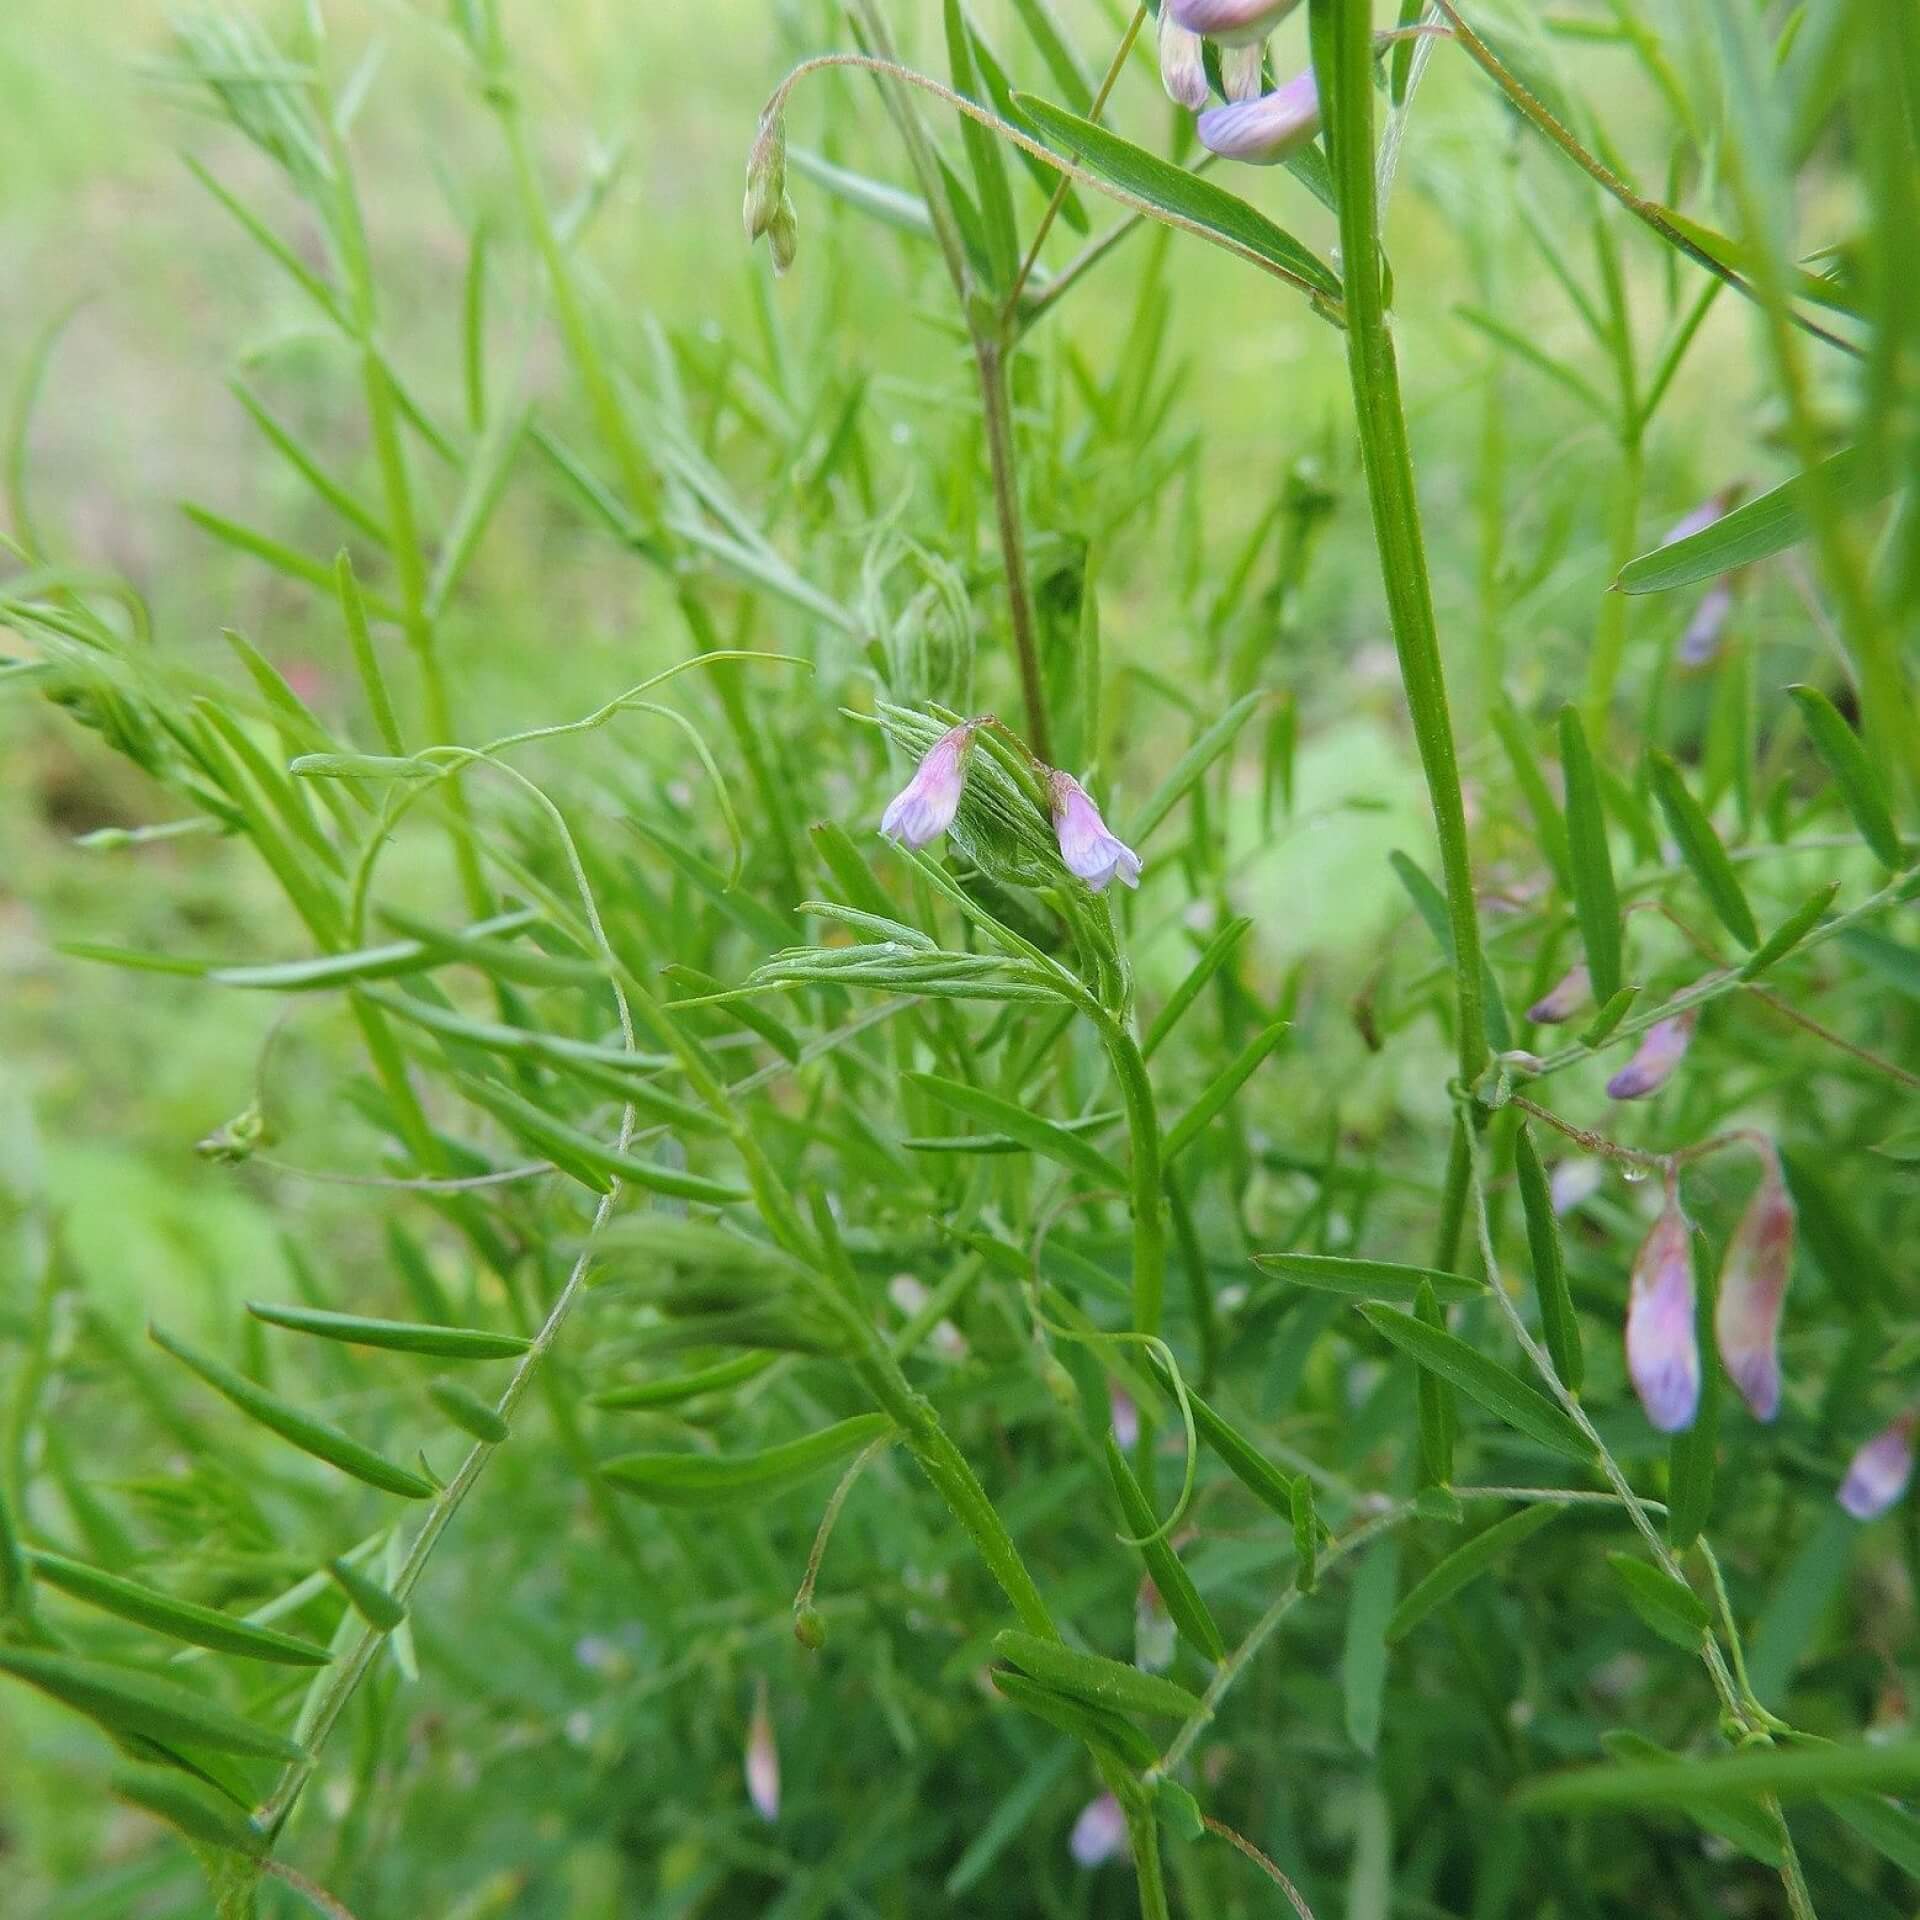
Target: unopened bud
{"x": 1233, "y": 23}
{"x": 1267, "y": 130}
{"x": 1878, "y": 1474}
{"x": 783, "y": 235}
{"x": 1753, "y": 1288}
{"x": 766, "y": 175}
{"x": 1183, "y": 66}
{"x": 810, "y": 1628}
{"x": 1564, "y": 1000}
{"x": 1661, "y": 1049}
{"x": 1663, "y": 1357}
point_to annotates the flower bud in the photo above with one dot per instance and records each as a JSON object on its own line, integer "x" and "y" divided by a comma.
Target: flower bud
{"x": 1242, "y": 70}
{"x": 1878, "y": 1474}
{"x": 1564, "y": 1000}
{"x": 810, "y": 1628}
{"x": 924, "y": 808}
{"x": 1663, "y": 1357}
{"x": 766, "y": 175}
{"x": 762, "y": 1760}
{"x": 1100, "y": 1833}
{"x": 1264, "y": 131}
{"x": 1183, "y": 67}
{"x": 1661, "y": 1049}
{"x": 1090, "y": 849}
{"x": 1753, "y": 1287}
{"x": 783, "y": 235}
{"x": 1232, "y": 23}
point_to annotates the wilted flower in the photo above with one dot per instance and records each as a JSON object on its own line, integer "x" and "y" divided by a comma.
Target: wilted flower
{"x": 1564, "y": 1000}
{"x": 1661, "y": 1049}
{"x": 1242, "y": 69}
{"x": 924, "y": 808}
{"x": 1183, "y": 67}
{"x": 763, "y": 1760}
{"x": 1753, "y": 1286}
{"x": 1663, "y": 1357}
{"x": 1087, "y": 845}
{"x": 1574, "y": 1181}
{"x": 766, "y": 175}
{"x": 1264, "y": 131}
{"x": 1878, "y": 1474}
{"x": 1708, "y": 627}
{"x": 1233, "y": 23}
{"x": 1100, "y": 1833}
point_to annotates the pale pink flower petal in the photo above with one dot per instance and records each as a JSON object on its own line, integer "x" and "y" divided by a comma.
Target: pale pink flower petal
{"x": 762, "y": 1760}
{"x": 1574, "y": 1181}
{"x": 1125, "y": 1416}
{"x": 1878, "y": 1474}
{"x": 1089, "y": 848}
{"x": 1266, "y": 130}
{"x": 1753, "y": 1288}
{"x": 1564, "y": 1000}
{"x": 1100, "y": 1833}
{"x": 1662, "y": 1047}
{"x": 1233, "y": 23}
{"x": 924, "y": 808}
{"x": 1183, "y": 67}
{"x": 1242, "y": 69}
{"x": 1663, "y": 1356}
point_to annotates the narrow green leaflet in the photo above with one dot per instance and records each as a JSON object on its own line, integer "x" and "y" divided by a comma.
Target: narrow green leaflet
{"x": 1192, "y": 765}
{"x": 1181, "y": 1596}
{"x": 371, "y": 1601}
{"x": 1701, "y": 849}
{"x": 1306, "y": 1536}
{"x": 1771, "y": 523}
{"x": 1366, "y": 1655}
{"x": 706, "y": 1480}
{"x": 1671, "y": 1609}
{"x": 1185, "y": 199}
{"x": 1611, "y": 1013}
{"x": 1104, "y": 1731}
{"x": 1433, "y": 1401}
{"x": 1548, "y": 826}
{"x": 1366, "y": 1279}
{"x": 1466, "y": 1563}
{"x": 1883, "y": 1824}
{"x": 1107, "y": 1683}
{"x": 1481, "y": 1380}
{"x": 1860, "y": 789}
{"x": 1431, "y": 905}
{"x": 1596, "y": 902}
{"x": 1217, "y": 952}
{"x": 386, "y": 962}
{"x": 1793, "y": 1773}
{"x": 467, "y": 1411}
{"x": 198, "y": 1811}
{"x": 179, "y": 1619}
{"x": 1004, "y": 1116}
{"x": 398, "y": 1336}
{"x": 1557, "y": 1319}
{"x": 128, "y": 1702}
{"x": 1750, "y": 1828}
{"x": 1225, "y": 1084}
{"x": 683, "y": 1386}
{"x": 984, "y": 159}
{"x": 1242, "y": 1459}
{"x": 317, "y": 1437}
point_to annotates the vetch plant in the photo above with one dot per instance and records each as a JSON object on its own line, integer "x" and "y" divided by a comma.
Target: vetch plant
{"x": 861, "y": 1307}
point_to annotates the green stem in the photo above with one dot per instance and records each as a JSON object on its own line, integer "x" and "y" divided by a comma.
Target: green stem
{"x": 1343, "y": 62}
{"x": 990, "y": 357}
{"x": 1143, "y": 1841}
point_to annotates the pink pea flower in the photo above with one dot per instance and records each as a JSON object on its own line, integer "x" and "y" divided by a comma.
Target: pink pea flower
{"x": 1564, "y": 1000}
{"x": 1663, "y": 1357}
{"x": 1266, "y": 130}
{"x": 924, "y": 808}
{"x": 1100, "y": 1833}
{"x": 763, "y": 1760}
{"x": 1661, "y": 1049}
{"x": 1233, "y": 23}
{"x": 1183, "y": 67}
{"x": 1088, "y": 846}
{"x": 1878, "y": 1474}
{"x": 1753, "y": 1288}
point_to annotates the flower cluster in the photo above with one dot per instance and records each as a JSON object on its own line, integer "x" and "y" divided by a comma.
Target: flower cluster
{"x": 924, "y": 809}
{"x": 1257, "y": 124}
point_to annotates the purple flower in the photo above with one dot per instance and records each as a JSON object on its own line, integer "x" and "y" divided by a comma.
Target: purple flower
{"x": 1878, "y": 1474}
{"x": 1233, "y": 23}
{"x": 1100, "y": 1833}
{"x": 1663, "y": 1357}
{"x": 1753, "y": 1287}
{"x": 1264, "y": 131}
{"x": 1088, "y": 846}
{"x": 1708, "y": 627}
{"x": 924, "y": 808}
{"x": 1661, "y": 1049}
{"x": 1183, "y": 67}
{"x": 762, "y": 1760}
{"x": 1564, "y": 1000}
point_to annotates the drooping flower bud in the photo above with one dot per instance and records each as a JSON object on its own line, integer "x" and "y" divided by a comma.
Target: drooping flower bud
{"x": 1663, "y": 1357}
{"x": 1090, "y": 849}
{"x": 1662, "y": 1048}
{"x": 1232, "y": 23}
{"x": 766, "y": 175}
{"x": 924, "y": 808}
{"x": 1753, "y": 1287}
{"x": 1878, "y": 1474}
{"x": 783, "y": 235}
{"x": 1242, "y": 70}
{"x": 1183, "y": 66}
{"x": 762, "y": 1760}
{"x": 1100, "y": 1833}
{"x": 1708, "y": 627}
{"x": 1264, "y": 131}
{"x": 1564, "y": 1000}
